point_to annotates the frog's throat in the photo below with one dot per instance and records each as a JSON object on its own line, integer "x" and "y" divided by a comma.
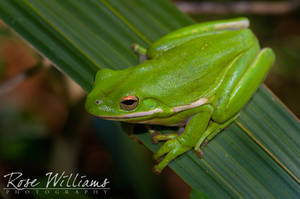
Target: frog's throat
{"x": 195, "y": 104}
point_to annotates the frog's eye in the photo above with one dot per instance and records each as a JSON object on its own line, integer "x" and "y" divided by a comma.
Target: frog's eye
{"x": 129, "y": 102}
{"x": 97, "y": 102}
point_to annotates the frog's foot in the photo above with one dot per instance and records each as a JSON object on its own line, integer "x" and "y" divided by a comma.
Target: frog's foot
{"x": 139, "y": 49}
{"x": 162, "y": 137}
{"x": 153, "y": 134}
{"x": 156, "y": 136}
{"x": 172, "y": 149}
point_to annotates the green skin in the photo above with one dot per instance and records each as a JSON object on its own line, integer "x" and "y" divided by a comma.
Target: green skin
{"x": 198, "y": 77}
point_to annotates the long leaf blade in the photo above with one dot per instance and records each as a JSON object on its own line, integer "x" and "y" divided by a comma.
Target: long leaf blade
{"x": 82, "y": 36}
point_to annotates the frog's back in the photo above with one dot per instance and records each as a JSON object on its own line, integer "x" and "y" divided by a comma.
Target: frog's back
{"x": 194, "y": 69}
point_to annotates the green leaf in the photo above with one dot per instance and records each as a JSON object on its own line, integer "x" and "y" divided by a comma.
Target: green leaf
{"x": 258, "y": 156}
{"x": 197, "y": 194}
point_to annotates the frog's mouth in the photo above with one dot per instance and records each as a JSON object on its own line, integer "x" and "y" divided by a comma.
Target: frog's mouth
{"x": 195, "y": 104}
{"x": 132, "y": 115}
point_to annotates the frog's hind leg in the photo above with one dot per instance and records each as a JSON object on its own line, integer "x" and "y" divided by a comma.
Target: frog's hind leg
{"x": 243, "y": 89}
{"x": 234, "y": 96}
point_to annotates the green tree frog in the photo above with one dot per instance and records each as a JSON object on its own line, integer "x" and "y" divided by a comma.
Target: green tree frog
{"x": 198, "y": 77}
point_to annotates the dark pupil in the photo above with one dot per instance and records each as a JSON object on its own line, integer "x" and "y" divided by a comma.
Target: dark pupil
{"x": 128, "y": 102}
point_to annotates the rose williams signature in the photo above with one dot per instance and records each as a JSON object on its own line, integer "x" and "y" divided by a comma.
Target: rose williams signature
{"x": 55, "y": 181}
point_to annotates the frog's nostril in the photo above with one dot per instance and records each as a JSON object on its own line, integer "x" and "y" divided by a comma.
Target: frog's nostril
{"x": 97, "y": 102}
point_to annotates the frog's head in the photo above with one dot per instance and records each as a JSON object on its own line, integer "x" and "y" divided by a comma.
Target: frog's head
{"x": 118, "y": 96}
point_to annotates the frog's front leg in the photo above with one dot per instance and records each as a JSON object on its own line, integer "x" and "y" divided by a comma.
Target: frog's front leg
{"x": 212, "y": 130}
{"x": 195, "y": 127}
{"x": 139, "y": 49}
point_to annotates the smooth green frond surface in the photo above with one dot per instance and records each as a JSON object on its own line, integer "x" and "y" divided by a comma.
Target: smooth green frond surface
{"x": 256, "y": 157}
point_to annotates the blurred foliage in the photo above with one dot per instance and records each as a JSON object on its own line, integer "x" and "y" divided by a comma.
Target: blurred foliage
{"x": 1, "y": 66}
{"x": 4, "y": 33}
{"x": 23, "y": 138}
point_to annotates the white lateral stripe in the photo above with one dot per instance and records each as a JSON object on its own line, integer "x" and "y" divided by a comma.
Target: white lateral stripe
{"x": 233, "y": 25}
{"x": 197, "y": 103}
{"x": 133, "y": 115}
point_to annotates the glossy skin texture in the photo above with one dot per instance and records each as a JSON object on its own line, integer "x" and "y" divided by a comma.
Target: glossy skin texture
{"x": 198, "y": 77}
